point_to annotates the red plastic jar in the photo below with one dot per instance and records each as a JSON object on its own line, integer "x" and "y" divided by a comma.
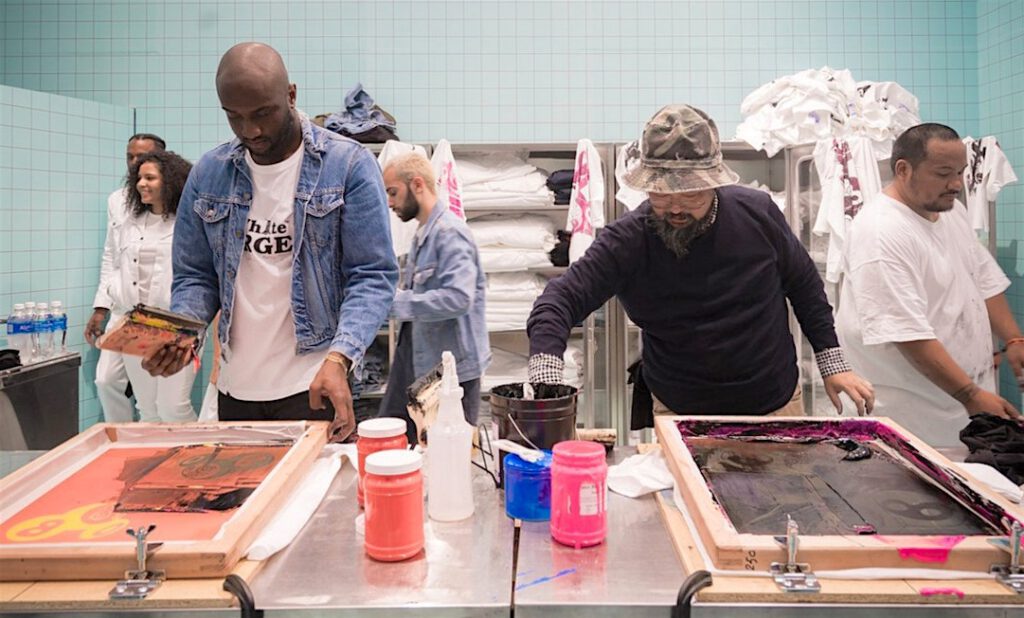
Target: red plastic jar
{"x": 579, "y": 491}
{"x": 378, "y": 434}
{"x": 394, "y": 505}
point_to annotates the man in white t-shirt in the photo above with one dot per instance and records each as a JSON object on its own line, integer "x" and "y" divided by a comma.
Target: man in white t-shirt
{"x": 111, "y": 379}
{"x": 921, "y": 297}
{"x": 284, "y": 230}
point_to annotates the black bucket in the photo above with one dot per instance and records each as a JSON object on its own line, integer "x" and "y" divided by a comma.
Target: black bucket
{"x": 545, "y": 420}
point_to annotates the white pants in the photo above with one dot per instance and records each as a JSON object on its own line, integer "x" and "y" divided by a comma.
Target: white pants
{"x": 165, "y": 400}
{"x": 208, "y": 413}
{"x": 111, "y": 382}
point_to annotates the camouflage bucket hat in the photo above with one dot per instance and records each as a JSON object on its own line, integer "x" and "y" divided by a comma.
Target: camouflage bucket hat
{"x": 680, "y": 152}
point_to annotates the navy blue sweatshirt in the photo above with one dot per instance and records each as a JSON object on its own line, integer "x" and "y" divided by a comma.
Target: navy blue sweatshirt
{"x": 716, "y": 336}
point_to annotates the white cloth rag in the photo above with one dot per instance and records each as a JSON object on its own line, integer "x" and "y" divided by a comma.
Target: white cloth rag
{"x": 302, "y": 502}
{"x": 639, "y": 475}
{"x": 994, "y": 479}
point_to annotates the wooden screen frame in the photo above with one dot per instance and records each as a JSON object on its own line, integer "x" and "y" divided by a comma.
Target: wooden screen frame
{"x": 214, "y": 558}
{"x": 731, "y": 550}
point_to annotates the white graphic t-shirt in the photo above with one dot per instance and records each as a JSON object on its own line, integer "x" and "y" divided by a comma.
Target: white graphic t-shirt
{"x": 988, "y": 171}
{"x": 260, "y": 360}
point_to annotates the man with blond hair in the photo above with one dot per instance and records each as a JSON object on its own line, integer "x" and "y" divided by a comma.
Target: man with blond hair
{"x": 441, "y": 288}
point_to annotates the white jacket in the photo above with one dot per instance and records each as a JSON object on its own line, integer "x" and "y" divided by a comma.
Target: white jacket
{"x": 116, "y": 213}
{"x": 122, "y": 286}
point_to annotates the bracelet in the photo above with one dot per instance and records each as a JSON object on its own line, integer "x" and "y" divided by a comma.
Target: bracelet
{"x": 337, "y": 357}
{"x": 1010, "y": 342}
{"x": 966, "y": 393}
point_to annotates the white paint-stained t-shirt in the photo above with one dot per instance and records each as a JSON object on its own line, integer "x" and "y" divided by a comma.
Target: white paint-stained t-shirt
{"x": 911, "y": 279}
{"x": 988, "y": 171}
{"x": 261, "y": 363}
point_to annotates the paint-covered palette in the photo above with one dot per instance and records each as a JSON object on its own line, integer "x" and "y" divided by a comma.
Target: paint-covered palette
{"x": 208, "y": 488}
{"x": 864, "y": 492}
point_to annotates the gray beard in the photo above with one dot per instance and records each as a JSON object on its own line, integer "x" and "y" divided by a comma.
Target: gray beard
{"x": 677, "y": 239}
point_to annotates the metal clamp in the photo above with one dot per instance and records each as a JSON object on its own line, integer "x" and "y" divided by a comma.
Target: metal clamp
{"x": 138, "y": 583}
{"x": 793, "y": 576}
{"x": 1011, "y": 575}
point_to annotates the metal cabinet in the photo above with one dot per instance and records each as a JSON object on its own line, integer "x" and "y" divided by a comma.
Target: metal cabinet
{"x": 593, "y": 407}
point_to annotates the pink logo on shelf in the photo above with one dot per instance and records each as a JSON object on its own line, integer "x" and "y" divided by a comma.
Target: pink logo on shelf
{"x": 580, "y": 181}
{"x": 448, "y": 183}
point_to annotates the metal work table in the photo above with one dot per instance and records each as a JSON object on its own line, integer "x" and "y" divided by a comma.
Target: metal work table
{"x": 634, "y": 572}
{"x": 466, "y": 569}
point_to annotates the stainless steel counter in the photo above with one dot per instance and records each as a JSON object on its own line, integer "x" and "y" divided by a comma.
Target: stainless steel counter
{"x": 465, "y": 570}
{"x": 634, "y": 572}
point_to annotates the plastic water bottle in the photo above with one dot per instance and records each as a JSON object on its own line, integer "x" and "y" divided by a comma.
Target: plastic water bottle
{"x": 58, "y": 328}
{"x": 30, "y": 342}
{"x": 41, "y": 332}
{"x": 19, "y": 332}
{"x": 449, "y": 452}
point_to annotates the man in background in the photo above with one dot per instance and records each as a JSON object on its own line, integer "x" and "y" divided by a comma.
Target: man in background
{"x": 111, "y": 379}
{"x": 284, "y": 229}
{"x": 440, "y": 301}
{"x": 922, "y": 297}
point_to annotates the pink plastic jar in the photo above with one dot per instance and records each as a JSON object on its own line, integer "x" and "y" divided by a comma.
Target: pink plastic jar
{"x": 378, "y": 434}
{"x": 579, "y": 481}
{"x": 394, "y": 505}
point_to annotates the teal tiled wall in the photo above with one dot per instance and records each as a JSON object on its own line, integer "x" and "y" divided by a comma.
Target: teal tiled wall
{"x": 59, "y": 159}
{"x": 547, "y": 70}
{"x": 1001, "y": 111}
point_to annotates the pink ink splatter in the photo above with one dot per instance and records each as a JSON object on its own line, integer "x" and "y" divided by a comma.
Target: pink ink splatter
{"x": 927, "y": 592}
{"x": 934, "y": 549}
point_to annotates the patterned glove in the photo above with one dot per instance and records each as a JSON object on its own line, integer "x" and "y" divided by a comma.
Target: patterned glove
{"x": 546, "y": 369}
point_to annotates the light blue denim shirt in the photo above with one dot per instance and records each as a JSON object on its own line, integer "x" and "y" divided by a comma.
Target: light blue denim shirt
{"x": 344, "y": 270}
{"x": 445, "y": 298}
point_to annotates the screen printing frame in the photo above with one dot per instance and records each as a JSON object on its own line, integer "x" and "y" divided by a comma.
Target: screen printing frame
{"x": 179, "y": 559}
{"x": 731, "y": 550}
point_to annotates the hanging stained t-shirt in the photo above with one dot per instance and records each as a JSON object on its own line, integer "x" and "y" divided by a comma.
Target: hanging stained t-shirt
{"x": 586, "y": 204}
{"x": 449, "y": 184}
{"x": 849, "y": 177}
{"x": 402, "y": 232}
{"x": 988, "y": 171}
{"x": 627, "y": 159}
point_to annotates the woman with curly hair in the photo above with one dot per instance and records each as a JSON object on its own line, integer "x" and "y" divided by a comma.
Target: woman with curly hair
{"x": 142, "y": 274}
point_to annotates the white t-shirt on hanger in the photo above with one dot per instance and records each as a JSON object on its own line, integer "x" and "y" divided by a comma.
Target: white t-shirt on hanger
{"x": 988, "y": 171}
{"x": 260, "y": 360}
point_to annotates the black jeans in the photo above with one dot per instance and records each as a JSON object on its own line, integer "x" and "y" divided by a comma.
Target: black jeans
{"x": 292, "y": 408}
{"x": 402, "y": 375}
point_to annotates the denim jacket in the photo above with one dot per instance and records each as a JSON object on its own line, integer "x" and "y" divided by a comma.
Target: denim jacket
{"x": 445, "y": 298}
{"x": 344, "y": 270}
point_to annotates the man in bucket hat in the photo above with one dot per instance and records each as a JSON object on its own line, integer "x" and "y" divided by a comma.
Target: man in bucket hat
{"x": 705, "y": 268}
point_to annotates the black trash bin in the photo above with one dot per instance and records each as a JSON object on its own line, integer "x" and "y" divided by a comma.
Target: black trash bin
{"x": 39, "y": 403}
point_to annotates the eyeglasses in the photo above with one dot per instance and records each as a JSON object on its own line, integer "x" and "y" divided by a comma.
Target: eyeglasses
{"x": 695, "y": 200}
